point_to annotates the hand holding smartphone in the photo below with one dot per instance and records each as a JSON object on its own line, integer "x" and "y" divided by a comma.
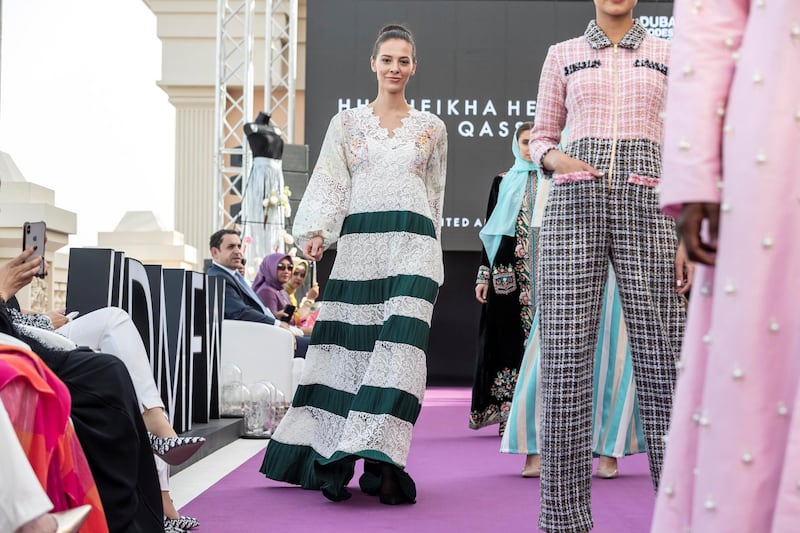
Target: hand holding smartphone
{"x": 288, "y": 312}
{"x": 34, "y": 236}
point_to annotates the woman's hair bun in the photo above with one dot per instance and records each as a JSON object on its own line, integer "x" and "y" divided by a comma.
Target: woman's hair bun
{"x": 395, "y": 31}
{"x": 394, "y": 27}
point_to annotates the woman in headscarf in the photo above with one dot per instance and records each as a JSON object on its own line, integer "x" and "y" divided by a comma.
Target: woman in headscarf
{"x": 273, "y": 274}
{"x": 304, "y": 313}
{"x": 504, "y": 286}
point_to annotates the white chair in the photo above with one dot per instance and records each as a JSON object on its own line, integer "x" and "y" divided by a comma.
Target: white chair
{"x": 263, "y": 353}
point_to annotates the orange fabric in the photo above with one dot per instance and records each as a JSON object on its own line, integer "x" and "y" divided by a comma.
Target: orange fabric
{"x": 38, "y": 404}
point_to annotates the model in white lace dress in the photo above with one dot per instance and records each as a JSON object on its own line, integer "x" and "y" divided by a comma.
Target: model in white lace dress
{"x": 378, "y": 192}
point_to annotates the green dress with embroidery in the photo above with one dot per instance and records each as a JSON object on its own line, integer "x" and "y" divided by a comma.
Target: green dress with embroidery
{"x": 506, "y": 316}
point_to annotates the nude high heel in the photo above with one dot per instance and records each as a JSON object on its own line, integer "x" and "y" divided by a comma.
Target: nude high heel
{"x": 607, "y": 468}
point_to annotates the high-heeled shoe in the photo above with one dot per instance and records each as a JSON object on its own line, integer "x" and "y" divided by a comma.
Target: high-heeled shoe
{"x": 608, "y": 470}
{"x": 175, "y": 450}
{"x": 184, "y": 523}
{"x": 532, "y": 469}
{"x": 71, "y": 520}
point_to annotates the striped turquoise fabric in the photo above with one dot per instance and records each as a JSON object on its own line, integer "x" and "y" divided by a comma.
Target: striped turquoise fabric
{"x": 617, "y": 429}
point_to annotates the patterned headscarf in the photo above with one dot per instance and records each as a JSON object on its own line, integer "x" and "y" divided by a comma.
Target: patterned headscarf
{"x": 268, "y": 271}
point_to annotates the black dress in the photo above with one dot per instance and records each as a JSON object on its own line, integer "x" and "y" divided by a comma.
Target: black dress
{"x": 110, "y": 428}
{"x": 505, "y": 317}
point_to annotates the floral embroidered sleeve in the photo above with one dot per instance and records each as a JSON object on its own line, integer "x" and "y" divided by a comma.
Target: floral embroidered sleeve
{"x": 483, "y": 275}
{"x": 436, "y": 171}
{"x": 326, "y": 200}
{"x": 34, "y": 320}
{"x": 551, "y": 111}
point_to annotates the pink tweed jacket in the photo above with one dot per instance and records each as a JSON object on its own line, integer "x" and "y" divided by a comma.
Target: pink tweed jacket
{"x": 611, "y": 97}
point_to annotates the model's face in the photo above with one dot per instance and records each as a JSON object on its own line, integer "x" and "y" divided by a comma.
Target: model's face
{"x": 284, "y": 270}
{"x": 298, "y": 276}
{"x": 524, "y": 139}
{"x": 229, "y": 253}
{"x": 614, "y": 8}
{"x": 394, "y": 65}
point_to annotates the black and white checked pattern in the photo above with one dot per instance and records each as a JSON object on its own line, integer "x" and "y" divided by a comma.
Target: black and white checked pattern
{"x": 585, "y": 223}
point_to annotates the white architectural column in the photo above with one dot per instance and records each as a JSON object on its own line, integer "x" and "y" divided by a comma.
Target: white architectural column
{"x": 195, "y": 193}
{"x": 22, "y": 201}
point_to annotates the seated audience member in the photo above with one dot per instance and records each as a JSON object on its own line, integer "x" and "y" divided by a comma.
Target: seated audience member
{"x": 305, "y": 311}
{"x": 104, "y": 414}
{"x": 241, "y": 301}
{"x": 273, "y": 274}
{"x": 52, "y": 460}
{"x": 112, "y": 331}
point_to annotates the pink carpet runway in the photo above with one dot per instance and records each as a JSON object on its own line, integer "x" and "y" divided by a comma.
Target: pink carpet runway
{"x": 463, "y": 483}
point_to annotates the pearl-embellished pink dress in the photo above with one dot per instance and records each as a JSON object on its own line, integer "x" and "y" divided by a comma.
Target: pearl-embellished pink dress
{"x": 732, "y": 137}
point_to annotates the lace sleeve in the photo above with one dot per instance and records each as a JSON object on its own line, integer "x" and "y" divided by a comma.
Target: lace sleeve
{"x": 435, "y": 179}
{"x": 327, "y": 198}
{"x": 36, "y": 321}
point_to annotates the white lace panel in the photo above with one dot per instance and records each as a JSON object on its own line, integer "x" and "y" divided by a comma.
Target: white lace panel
{"x": 364, "y": 256}
{"x": 335, "y": 367}
{"x": 390, "y": 365}
{"x": 328, "y": 433}
{"x": 366, "y": 315}
{"x": 386, "y": 433}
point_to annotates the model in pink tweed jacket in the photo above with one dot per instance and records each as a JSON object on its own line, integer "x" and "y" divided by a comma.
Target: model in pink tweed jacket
{"x": 584, "y": 80}
{"x": 602, "y": 206}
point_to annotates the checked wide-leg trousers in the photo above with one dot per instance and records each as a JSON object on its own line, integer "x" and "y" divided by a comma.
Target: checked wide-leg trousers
{"x": 586, "y": 222}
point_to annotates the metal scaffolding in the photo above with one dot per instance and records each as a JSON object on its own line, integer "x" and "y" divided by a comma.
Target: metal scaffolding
{"x": 280, "y": 70}
{"x": 233, "y": 106}
{"x": 234, "y": 91}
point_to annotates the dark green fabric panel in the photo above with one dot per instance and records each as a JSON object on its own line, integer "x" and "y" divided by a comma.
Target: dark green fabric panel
{"x": 291, "y": 464}
{"x": 332, "y": 400}
{"x": 399, "y": 329}
{"x": 395, "y": 402}
{"x": 388, "y": 221}
{"x": 378, "y": 291}
{"x": 373, "y": 400}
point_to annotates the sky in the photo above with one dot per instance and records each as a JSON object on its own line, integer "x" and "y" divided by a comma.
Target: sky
{"x": 80, "y": 110}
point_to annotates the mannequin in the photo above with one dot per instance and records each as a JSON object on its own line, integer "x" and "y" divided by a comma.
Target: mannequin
{"x": 264, "y": 139}
{"x": 264, "y": 205}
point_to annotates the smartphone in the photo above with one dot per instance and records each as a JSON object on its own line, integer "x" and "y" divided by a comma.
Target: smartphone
{"x": 289, "y": 310}
{"x": 33, "y": 236}
{"x": 73, "y": 314}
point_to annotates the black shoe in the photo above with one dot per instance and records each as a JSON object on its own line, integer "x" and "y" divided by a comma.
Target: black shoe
{"x": 396, "y": 487}
{"x": 370, "y": 480}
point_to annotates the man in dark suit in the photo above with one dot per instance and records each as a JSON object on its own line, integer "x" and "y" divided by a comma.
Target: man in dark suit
{"x": 241, "y": 302}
